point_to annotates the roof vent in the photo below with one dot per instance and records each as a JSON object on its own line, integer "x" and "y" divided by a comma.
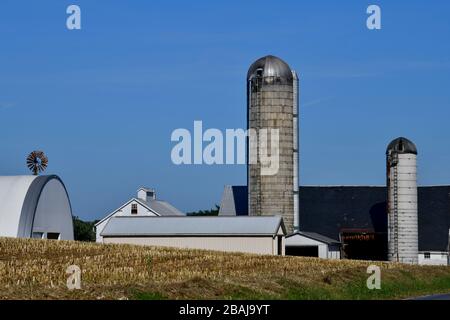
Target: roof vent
{"x": 146, "y": 194}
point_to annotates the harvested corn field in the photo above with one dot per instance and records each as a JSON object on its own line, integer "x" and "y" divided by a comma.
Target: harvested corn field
{"x": 36, "y": 269}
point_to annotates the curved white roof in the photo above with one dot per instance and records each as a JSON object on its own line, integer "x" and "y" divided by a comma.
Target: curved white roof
{"x": 29, "y": 203}
{"x": 13, "y": 191}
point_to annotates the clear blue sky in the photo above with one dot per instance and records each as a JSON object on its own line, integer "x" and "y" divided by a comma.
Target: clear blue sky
{"x": 102, "y": 102}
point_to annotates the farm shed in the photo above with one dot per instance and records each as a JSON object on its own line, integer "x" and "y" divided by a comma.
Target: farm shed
{"x": 433, "y": 258}
{"x": 35, "y": 207}
{"x": 258, "y": 235}
{"x": 312, "y": 244}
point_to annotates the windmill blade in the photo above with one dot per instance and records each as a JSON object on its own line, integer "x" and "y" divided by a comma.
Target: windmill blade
{"x": 37, "y": 162}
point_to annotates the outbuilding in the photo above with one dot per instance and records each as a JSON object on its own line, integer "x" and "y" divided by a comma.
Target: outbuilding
{"x": 35, "y": 207}
{"x": 433, "y": 258}
{"x": 310, "y": 244}
{"x": 257, "y": 235}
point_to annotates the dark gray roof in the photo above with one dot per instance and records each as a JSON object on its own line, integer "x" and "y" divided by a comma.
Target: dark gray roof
{"x": 315, "y": 236}
{"x": 234, "y": 201}
{"x": 401, "y": 145}
{"x": 121, "y": 226}
{"x": 271, "y": 67}
{"x": 162, "y": 208}
{"x": 329, "y": 210}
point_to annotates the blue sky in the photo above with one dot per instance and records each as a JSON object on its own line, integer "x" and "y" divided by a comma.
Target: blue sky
{"x": 103, "y": 101}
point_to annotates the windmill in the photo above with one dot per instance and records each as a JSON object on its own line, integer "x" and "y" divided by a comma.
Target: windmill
{"x": 37, "y": 162}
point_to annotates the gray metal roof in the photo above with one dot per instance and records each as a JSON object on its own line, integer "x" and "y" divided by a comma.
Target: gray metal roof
{"x": 162, "y": 208}
{"x": 270, "y": 66}
{"x": 169, "y": 226}
{"x": 315, "y": 236}
{"x": 401, "y": 145}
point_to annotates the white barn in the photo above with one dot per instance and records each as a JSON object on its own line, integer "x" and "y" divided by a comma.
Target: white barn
{"x": 256, "y": 235}
{"x": 144, "y": 205}
{"x": 35, "y": 207}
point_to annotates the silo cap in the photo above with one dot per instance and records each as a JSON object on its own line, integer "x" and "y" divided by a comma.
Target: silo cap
{"x": 401, "y": 145}
{"x": 270, "y": 66}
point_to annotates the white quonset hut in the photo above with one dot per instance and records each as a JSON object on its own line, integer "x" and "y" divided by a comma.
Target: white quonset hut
{"x": 257, "y": 235}
{"x": 35, "y": 207}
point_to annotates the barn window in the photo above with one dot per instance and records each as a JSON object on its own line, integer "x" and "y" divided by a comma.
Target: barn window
{"x": 427, "y": 255}
{"x": 134, "y": 209}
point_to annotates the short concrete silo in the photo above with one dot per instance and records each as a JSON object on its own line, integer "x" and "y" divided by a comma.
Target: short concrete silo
{"x": 273, "y": 104}
{"x": 402, "y": 201}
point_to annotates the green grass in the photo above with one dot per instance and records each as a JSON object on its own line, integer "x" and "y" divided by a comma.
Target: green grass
{"x": 404, "y": 285}
{"x": 149, "y": 296}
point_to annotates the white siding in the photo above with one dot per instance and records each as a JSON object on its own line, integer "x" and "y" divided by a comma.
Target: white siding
{"x": 142, "y": 194}
{"x": 99, "y": 229}
{"x": 257, "y": 245}
{"x": 123, "y": 211}
{"x": 436, "y": 259}
{"x": 334, "y": 252}
{"x": 126, "y": 210}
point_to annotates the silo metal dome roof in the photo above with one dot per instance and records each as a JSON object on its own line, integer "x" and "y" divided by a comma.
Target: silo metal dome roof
{"x": 401, "y": 145}
{"x": 270, "y": 66}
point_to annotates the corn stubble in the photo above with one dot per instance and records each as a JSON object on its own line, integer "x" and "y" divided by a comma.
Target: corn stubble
{"x": 36, "y": 269}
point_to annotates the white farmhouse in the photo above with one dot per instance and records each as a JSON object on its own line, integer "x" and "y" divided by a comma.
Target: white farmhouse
{"x": 144, "y": 205}
{"x": 35, "y": 207}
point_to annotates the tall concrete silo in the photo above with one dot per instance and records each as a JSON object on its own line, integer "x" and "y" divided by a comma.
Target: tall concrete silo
{"x": 402, "y": 201}
{"x": 272, "y": 103}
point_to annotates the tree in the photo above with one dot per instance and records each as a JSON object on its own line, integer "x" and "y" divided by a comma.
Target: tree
{"x": 205, "y": 213}
{"x": 83, "y": 230}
